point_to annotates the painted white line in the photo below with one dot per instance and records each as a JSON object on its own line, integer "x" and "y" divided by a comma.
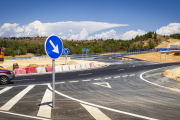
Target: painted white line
{"x": 132, "y": 75}
{"x": 46, "y": 105}
{"x": 151, "y": 82}
{"x": 73, "y": 81}
{"x": 87, "y": 80}
{"x": 108, "y": 78}
{"x": 104, "y": 84}
{"x": 24, "y": 115}
{"x": 16, "y": 98}
{"x": 106, "y": 108}
{"x": 120, "y": 69}
{"x": 125, "y": 76}
{"x": 27, "y": 85}
{"x": 133, "y": 65}
{"x": 85, "y": 74}
{"x": 95, "y": 112}
{"x": 5, "y": 89}
{"x": 23, "y": 79}
{"x": 59, "y": 82}
{"x": 117, "y": 77}
{"x": 98, "y": 79}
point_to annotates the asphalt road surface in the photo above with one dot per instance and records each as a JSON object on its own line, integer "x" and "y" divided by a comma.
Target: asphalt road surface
{"x": 120, "y": 90}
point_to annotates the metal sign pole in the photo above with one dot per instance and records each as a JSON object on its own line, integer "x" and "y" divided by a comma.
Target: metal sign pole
{"x": 53, "y": 81}
{"x": 66, "y": 59}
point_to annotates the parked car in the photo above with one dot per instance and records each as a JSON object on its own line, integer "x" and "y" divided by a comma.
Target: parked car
{"x": 6, "y": 76}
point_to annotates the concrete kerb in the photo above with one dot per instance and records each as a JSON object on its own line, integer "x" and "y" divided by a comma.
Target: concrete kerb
{"x": 105, "y": 65}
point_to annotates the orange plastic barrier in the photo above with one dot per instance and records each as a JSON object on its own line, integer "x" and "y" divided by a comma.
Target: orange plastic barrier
{"x": 49, "y": 69}
{"x": 20, "y": 71}
{"x": 30, "y": 70}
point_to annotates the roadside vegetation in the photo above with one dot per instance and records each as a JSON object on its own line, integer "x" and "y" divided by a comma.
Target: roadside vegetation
{"x": 35, "y": 45}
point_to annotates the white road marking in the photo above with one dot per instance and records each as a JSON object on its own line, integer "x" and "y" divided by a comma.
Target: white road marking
{"x": 117, "y": 77}
{"x": 125, "y": 76}
{"x": 24, "y": 115}
{"x": 133, "y": 65}
{"x": 23, "y": 79}
{"x": 73, "y": 81}
{"x": 98, "y": 79}
{"x": 16, "y": 98}
{"x": 120, "y": 69}
{"x": 46, "y": 105}
{"x": 104, "y": 84}
{"x": 95, "y": 112}
{"x": 87, "y": 80}
{"x": 132, "y": 75}
{"x": 59, "y": 82}
{"x": 5, "y": 89}
{"x": 85, "y": 74}
{"x": 108, "y": 78}
{"x": 102, "y": 107}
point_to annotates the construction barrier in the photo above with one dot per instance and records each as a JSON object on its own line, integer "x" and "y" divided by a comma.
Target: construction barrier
{"x": 49, "y": 69}
{"x": 78, "y": 67}
{"x": 87, "y": 65}
{"x": 94, "y": 64}
{"x": 58, "y": 68}
{"x": 72, "y": 67}
{"x": 20, "y": 71}
{"x": 40, "y": 70}
{"x": 30, "y": 70}
{"x": 65, "y": 68}
{"x": 91, "y": 65}
{"x": 83, "y": 66}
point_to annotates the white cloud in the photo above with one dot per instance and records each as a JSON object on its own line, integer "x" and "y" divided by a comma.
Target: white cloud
{"x": 172, "y": 28}
{"x": 67, "y": 29}
{"x": 106, "y": 35}
{"x": 132, "y": 34}
{"x": 81, "y": 36}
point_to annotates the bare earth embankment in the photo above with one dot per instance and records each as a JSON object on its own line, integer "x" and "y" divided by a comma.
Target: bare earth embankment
{"x": 155, "y": 57}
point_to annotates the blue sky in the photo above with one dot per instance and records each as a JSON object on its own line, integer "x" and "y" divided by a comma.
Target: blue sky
{"x": 90, "y": 19}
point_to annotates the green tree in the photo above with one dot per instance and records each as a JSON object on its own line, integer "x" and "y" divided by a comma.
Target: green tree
{"x": 155, "y": 35}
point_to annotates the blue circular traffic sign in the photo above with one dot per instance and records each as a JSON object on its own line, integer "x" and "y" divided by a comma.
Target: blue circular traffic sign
{"x": 53, "y": 47}
{"x": 66, "y": 51}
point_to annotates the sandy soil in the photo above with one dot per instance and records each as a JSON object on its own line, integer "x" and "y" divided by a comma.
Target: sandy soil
{"x": 155, "y": 57}
{"x": 173, "y": 73}
{"x": 43, "y": 62}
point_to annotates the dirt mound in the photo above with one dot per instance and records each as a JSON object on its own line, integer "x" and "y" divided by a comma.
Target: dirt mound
{"x": 167, "y": 43}
{"x": 172, "y": 73}
{"x": 155, "y": 57}
{"x": 71, "y": 63}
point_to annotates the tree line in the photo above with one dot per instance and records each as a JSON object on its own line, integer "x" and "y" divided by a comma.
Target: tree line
{"x": 75, "y": 47}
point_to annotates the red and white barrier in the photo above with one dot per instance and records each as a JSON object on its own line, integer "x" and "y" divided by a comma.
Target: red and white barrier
{"x": 83, "y": 66}
{"x": 72, "y": 67}
{"x": 40, "y": 69}
{"x": 65, "y": 68}
{"x": 20, "y": 71}
{"x": 49, "y": 69}
{"x": 78, "y": 67}
{"x": 30, "y": 70}
{"x": 58, "y": 68}
{"x": 87, "y": 65}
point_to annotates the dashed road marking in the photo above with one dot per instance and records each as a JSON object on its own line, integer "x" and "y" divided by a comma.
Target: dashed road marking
{"x": 85, "y": 74}
{"x": 59, "y": 82}
{"x": 125, "y": 76}
{"x": 87, "y": 80}
{"x": 73, "y": 81}
{"x": 132, "y": 75}
{"x": 117, "y": 77}
{"x": 16, "y": 98}
{"x": 108, "y": 78}
{"x": 120, "y": 69}
{"x": 95, "y": 112}
{"x": 98, "y": 79}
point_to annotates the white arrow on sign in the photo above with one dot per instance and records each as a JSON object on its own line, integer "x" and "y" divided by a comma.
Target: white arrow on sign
{"x": 56, "y": 50}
